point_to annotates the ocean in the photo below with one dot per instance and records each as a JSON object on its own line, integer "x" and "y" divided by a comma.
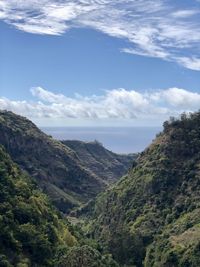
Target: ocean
{"x": 116, "y": 139}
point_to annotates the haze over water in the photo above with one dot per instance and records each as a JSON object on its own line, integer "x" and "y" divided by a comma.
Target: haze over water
{"x": 116, "y": 139}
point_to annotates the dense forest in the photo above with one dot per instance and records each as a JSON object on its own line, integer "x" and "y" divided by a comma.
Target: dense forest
{"x": 32, "y": 232}
{"x": 149, "y": 218}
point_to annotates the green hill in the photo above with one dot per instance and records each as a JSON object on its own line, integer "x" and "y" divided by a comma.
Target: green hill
{"x": 103, "y": 163}
{"x": 32, "y": 232}
{"x": 151, "y": 217}
{"x": 61, "y": 172}
{"x": 55, "y": 167}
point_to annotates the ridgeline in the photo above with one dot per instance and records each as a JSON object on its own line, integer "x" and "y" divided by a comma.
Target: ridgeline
{"x": 56, "y": 168}
{"x": 151, "y": 216}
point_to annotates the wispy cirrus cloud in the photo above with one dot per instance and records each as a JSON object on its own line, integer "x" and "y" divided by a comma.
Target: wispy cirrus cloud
{"x": 116, "y": 104}
{"x": 185, "y": 13}
{"x": 153, "y": 28}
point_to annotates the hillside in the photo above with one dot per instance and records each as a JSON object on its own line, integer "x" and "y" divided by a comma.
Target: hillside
{"x": 151, "y": 217}
{"x": 103, "y": 163}
{"x": 71, "y": 173}
{"x": 55, "y": 167}
{"x": 32, "y": 232}
{"x": 29, "y": 227}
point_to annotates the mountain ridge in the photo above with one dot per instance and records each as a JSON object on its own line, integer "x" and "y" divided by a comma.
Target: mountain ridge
{"x": 101, "y": 161}
{"x": 33, "y": 232}
{"x": 149, "y": 218}
{"x": 56, "y": 168}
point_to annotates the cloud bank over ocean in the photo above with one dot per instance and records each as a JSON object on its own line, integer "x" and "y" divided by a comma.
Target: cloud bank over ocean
{"x": 116, "y": 104}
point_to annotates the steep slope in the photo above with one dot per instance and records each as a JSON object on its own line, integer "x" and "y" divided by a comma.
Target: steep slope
{"x": 55, "y": 167}
{"x": 32, "y": 233}
{"x": 30, "y": 229}
{"x": 103, "y": 163}
{"x": 151, "y": 217}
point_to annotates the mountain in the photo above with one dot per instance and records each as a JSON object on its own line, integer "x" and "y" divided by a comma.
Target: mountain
{"x": 32, "y": 232}
{"x": 56, "y": 168}
{"x": 151, "y": 216}
{"x": 29, "y": 227}
{"x": 103, "y": 163}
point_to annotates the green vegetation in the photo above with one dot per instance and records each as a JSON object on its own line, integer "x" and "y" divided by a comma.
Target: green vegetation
{"x": 86, "y": 256}
{"x": 32, "y": 232}
{"x": 59, "y": 170}
{"x": 100, "y": 161}
{"x": 55, "y": 167}
{"x": 151, "y": 217}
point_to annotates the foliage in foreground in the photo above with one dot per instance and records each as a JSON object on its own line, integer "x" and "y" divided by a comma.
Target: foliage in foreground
{"x": 32, "y": 232}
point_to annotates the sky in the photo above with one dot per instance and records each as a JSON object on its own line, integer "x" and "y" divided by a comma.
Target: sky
{"x": 99, "y": 62}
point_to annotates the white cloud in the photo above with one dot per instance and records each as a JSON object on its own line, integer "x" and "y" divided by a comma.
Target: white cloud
{"x": 192, "y": 63}
{"x": 177, "y": 98}
{"x": 184, "y": 13}
{"x": 153, "y": 28}
{"x": 117, "y": 104}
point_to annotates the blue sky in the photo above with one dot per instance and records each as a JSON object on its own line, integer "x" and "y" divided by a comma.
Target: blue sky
{"x": 98, "y": 62}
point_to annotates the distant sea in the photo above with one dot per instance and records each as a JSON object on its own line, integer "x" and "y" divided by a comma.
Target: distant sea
{"x": 116, "y": 139}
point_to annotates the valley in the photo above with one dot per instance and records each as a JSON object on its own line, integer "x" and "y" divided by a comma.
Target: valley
{"x": 147, "y": 218}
